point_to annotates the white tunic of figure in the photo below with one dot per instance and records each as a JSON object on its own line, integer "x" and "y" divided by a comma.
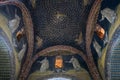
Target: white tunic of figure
{"x": 109, "y": 14}
{"x": 14, "y": 42}
{"x": 14, "y": 23}
{"x": 97, "y": 48}
{"x": 44, "y": 65}
{"x": 22, "y": 51}
{"x": 106, "y": 39}
{"x": 75, "y": 63}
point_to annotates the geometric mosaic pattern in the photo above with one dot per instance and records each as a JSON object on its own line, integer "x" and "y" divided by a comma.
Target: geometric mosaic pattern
{"x": 5, "y": 63}
{"x": 113, "y": 57}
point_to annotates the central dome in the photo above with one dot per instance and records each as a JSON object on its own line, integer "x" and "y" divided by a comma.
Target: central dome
{"x": 59, "y": 21}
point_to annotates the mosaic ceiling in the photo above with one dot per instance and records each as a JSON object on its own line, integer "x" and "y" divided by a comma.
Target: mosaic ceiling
{"x": 59, "y": 39}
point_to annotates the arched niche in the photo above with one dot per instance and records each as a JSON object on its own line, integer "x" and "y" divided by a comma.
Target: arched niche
{"x": 112, "y": 58}
{"x": 7, "y": 59}
{"x": 51, "y": 53}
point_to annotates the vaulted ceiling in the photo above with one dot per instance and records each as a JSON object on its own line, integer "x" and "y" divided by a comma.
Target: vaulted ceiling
{"x": 35, "y": 30}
